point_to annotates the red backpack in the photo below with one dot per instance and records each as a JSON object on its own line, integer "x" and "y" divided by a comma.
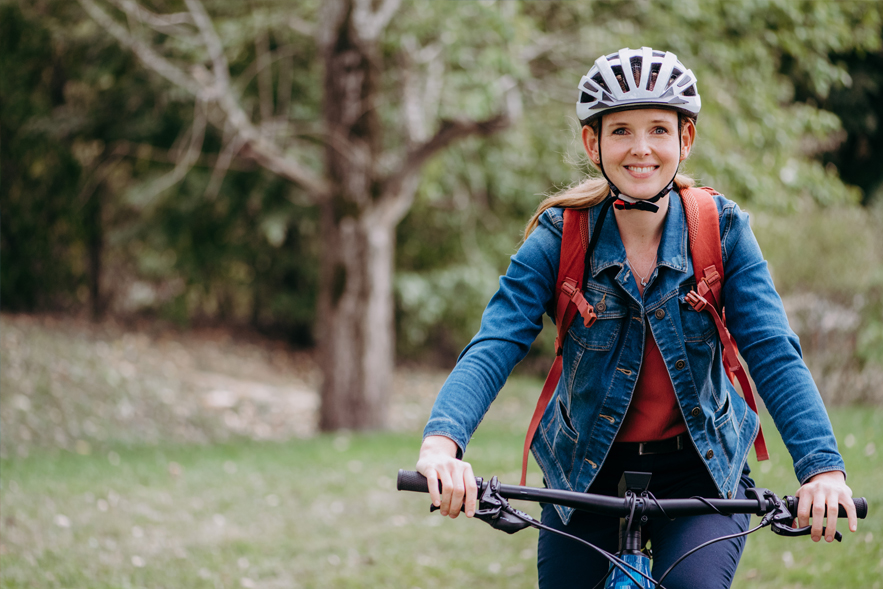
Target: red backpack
{"x": 705, "y": 247}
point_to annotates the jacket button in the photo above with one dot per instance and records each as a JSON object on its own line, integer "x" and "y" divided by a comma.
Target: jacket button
{"x": 729, "y": 494}
{"x": 660, "y": 313}
{"x": 709, "y": 454}
{"x": 696, "y": 412}
{"x": 680, "y": 364}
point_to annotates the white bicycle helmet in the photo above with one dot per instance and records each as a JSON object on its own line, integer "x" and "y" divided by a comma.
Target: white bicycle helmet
{"x": 656, "y": 79}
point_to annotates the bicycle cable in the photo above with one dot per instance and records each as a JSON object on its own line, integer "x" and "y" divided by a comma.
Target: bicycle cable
{"x": 708, "y": 503}
{"x": 647, "y": 494}
{"x": 710, "y": 542}
{"x": 616, "y": 561}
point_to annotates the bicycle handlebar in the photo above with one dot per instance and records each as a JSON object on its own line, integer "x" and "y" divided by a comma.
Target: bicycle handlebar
{"x": 619, "y": 507}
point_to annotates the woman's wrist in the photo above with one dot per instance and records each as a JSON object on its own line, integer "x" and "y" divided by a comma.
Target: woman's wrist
{"x": 439, "y": 445}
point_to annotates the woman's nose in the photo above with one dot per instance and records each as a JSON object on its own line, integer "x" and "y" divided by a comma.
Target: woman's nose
{"x": 641, "y": 146}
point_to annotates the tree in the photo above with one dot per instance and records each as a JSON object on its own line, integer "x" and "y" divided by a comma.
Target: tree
{"x": 296, "y": 131}
{"x": 366, "y": 183}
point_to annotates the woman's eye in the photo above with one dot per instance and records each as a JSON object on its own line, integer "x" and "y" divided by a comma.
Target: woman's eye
{"x": 660, "y": 130}
{"x": 618, "y": 132}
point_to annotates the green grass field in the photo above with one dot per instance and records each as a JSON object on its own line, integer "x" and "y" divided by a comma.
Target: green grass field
{"x": 324, "y": 513}
{"x": 110, "y": 506}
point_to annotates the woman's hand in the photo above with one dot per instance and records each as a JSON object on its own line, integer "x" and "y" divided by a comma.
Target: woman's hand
{"x": 826, "y": 489}
{"x": 438, "y": 462}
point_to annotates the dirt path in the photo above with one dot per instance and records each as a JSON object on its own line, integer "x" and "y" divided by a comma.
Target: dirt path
{"x": 73, "y": 384}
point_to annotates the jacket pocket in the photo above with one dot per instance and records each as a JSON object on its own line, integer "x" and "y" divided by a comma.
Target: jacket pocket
{"x": 698, "y": 326}
{"x": 563, "y": 437}
{"x": 610, "y": 310}
{"x": 723, "y": 414}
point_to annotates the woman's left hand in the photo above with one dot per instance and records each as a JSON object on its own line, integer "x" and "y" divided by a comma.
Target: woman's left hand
{"x": 825, "y": 490}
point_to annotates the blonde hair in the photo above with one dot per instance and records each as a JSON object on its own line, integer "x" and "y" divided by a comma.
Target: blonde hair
{"x": 594, "y": 189}
{"x": 586, "y": 194}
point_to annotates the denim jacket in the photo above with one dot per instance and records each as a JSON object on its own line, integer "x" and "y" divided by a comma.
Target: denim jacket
{"x": 601, "y": 363}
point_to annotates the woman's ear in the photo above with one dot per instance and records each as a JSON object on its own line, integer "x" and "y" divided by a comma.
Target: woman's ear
{"x": 688, "y": 135}
{"x": 590, "y": 144}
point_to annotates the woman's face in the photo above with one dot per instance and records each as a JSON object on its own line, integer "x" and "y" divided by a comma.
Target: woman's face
{"x": 640, "y": 149}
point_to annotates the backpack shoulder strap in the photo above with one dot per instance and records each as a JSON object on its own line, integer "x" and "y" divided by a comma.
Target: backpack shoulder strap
{"x": 569, "y": 301}
{"x": 703, "y": 226}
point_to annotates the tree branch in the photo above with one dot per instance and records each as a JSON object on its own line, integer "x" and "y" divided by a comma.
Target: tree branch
{"x": 225, "y": 158}
{"x": 301, "y": 26}
{"x": 184, "y": 163}
{"x": 399, "y": 188}
{"x": 208, "y": 88}
{"x": 169, "y": 24}
{"x": 151, "y": 58}
{"x": 369, "y": 23}
{"x": 450, "y": 131}
{"x": 213, "y": 45}
{"x": 265, "y": 76}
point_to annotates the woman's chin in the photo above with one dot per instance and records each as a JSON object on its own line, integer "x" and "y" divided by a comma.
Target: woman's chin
{"x": 642, "y": 193}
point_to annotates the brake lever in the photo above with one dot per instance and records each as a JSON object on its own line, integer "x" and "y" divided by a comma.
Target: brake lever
{"x": 496, "y": 511}
{"x": 785, "y": 530}
{"x": 780, "y": 516}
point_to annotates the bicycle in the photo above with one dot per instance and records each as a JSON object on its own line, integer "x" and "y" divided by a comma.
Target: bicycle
{"x": 630, "y": 566}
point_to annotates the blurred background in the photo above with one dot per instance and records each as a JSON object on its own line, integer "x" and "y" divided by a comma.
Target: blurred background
{"x": 243, "y": 241}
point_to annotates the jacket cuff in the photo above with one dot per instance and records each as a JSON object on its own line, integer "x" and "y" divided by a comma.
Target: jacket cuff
{"x": 814, "y": 464}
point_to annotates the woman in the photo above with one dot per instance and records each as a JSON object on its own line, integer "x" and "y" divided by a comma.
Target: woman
{"x": 643, "y": 388}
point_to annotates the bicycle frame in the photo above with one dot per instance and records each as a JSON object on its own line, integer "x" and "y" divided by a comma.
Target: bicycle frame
{"x": 630, "y": 568}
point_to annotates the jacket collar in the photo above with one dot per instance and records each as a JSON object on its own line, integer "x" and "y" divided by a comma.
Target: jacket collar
{"x": 673, "y": 247}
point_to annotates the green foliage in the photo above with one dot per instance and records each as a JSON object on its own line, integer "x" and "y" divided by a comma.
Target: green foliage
{"x": 75, "y": 102}
{"x": 755, "y": 143}
{"x": 836, "y": 255}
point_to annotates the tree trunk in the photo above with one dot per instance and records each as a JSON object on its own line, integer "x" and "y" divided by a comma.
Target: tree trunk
{"x": 356, "y": 324}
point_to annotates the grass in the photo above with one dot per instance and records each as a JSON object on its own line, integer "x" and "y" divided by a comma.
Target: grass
{"x": 324, "y": 513}
{"x": 315, "y": 512}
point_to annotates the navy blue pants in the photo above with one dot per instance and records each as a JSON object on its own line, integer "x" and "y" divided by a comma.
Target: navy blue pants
{"x": 563, "y": 562}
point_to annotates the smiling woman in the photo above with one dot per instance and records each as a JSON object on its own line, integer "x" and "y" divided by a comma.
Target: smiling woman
{"x": 655, "y": 397}
{"x": 642, "y": 149}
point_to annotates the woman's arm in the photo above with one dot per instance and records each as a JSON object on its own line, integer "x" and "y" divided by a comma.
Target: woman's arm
{"x": 757, "y": 320}
{"x": 509, "y": 325}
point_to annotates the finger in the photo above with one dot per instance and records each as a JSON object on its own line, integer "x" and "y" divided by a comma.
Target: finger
{"x": 458, "y": 493}
{"x": 432, "y": 486}
{"x": 445, "y": 505}
{"x": 803, "y": 509}
{"x": 471, "y": 490}
{"x": 851, "y": 514}
{"x": 831, "y": 520}
{"x": 818, "y": 517}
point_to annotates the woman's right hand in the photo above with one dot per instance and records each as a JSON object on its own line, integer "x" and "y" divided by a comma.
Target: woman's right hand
{"x": 438, "y": 462}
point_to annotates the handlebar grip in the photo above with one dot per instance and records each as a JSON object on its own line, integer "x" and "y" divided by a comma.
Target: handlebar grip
{"x": 409, "y": 480}
{"x": 861, "y": 507}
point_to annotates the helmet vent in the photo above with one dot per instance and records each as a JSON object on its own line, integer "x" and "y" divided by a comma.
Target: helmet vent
{"x": 600, "y": 81}
{"x": 691, "y": 91}
{"x": 620, "y": 77}
{"x": 654, "y": 73}
{"x": 585, "y": 98}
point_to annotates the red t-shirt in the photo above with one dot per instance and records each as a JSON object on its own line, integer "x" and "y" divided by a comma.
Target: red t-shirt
{"x": 654, "y": 413}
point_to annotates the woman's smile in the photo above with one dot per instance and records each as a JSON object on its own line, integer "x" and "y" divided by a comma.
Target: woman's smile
{"x": 641, "y": 171}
